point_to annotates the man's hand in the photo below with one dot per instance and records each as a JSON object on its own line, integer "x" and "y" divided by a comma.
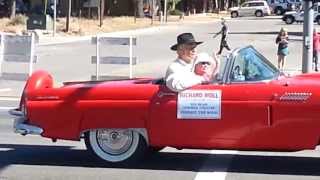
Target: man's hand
{"x": 215, "y": 64}
{"x": 208, "y": 74}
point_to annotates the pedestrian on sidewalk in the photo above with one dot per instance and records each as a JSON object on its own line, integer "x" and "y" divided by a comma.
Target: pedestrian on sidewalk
{"x": 224, "y": 35}
{"x": 283, "y": 50}
{"x": 316, "y": 48}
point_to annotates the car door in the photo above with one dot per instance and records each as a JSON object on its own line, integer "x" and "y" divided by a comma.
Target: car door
{"x": 240, "y": 105}
{"x": 228, "y": 127}
{"x": 252, "y": 8}
{"x": 244, "y": 9}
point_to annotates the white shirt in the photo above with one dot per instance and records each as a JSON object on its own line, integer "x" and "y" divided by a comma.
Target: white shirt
{"x": 180, "y": 76}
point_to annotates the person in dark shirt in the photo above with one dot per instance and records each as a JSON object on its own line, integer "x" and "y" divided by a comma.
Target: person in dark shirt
{"x": 282, "y": 40}
{"x": 224, "y": 34}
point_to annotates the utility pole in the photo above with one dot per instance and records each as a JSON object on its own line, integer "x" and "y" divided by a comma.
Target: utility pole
{"x": 307, "y": 37}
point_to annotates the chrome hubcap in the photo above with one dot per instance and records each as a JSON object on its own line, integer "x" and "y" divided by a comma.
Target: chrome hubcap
{"x": 114, "y": 141}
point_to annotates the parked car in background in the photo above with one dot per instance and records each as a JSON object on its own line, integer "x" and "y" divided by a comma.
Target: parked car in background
{"x": 279, "y": 7}
{"x": 298, "y": 16}
{"x": 251, "y": 8}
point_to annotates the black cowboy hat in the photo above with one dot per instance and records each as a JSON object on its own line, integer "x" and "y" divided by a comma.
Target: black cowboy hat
{"x": 185, "y": 38}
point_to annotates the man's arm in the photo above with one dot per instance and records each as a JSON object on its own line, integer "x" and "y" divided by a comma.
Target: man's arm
{"x": 181, "y": 81}
{"x": 214, "y": 36}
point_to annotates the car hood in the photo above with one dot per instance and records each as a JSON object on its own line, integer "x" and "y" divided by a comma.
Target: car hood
{"x": 290, "y": 13}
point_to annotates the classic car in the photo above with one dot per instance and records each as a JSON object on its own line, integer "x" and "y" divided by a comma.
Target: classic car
{"x": 250, "y": 106}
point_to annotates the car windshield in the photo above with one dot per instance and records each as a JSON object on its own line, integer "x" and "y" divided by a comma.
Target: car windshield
{"x": 250, "y": 65}
{"x": 245, "y": 5}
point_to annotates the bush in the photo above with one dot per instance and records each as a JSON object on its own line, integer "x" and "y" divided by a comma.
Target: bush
{"x": 175, "y": 12}
{"x": 18, "y": 20}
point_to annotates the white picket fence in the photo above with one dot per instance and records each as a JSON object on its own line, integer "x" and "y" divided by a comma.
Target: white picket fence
{"x": 15, "y": 50}
{"x": 130, "y": 60}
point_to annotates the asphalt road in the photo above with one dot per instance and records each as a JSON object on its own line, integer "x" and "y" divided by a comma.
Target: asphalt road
{"x": 33, "y": 157}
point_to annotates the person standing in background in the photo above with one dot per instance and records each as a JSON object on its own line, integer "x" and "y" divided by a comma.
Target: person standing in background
{"x": 283, "y": 50}
{"x": 316, "y": 48}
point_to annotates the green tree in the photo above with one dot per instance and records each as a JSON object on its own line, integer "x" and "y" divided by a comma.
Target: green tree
{"x": 173, "y": 4}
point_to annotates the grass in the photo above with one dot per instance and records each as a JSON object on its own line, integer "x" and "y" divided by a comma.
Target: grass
{"x": 80, "y": 27}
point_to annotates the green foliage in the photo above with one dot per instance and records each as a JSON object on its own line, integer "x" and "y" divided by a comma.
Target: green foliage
{"x": 172, "y": 4}
{"x": 174, "y": 1}
{"x": 175, "y": 12}
{"x": 18, "y": 20}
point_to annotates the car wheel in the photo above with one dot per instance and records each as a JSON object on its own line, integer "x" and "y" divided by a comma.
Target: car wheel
{"x": 289, "y": 20}
{"x": 116, "y": 145}
{"x": 258, "y": 14}
{"x": 155, "y": 149}
{"x": 234, "y": 14}
{"x": 318, "y": 20}
{"x": 278, "y": 11}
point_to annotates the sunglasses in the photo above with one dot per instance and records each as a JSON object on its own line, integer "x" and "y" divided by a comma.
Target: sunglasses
{"x": 204, "y": 63}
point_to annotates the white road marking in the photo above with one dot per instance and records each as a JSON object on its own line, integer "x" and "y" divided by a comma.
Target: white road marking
{"x": 9, "y": 98}
{"x": 7, "y": 108}
{"x": 216, "y": 175}
{"x": 5, "y": 89}
{"x": 211, "y": 176}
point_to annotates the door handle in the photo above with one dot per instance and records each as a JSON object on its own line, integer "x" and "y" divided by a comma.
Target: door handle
{"x": 161, "y": 94}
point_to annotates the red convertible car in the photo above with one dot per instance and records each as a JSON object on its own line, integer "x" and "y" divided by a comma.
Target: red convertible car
{"x": 250, "y": 106}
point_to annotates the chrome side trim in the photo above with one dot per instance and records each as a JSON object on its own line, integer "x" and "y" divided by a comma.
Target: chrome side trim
{"x": 269, "y": 115}
{"x": 295, "y": 96}
{"x": 24, "y": 129}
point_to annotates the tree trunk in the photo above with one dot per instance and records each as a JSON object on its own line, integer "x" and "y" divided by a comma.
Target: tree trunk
{"x": 139, "y": 8}
{"x": 205, "y": 6}
{"x": 68, "y": 16}
{"x": 217, "y": 5}
{"x": 12, "y": 9}
{"x": 101, "y": 12}
{"x": 210, "y": 6}
{"x": 173, "y": 7}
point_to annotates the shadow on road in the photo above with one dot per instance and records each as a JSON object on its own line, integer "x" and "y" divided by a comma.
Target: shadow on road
{"x": 297, "y": 33}
{"x": 269, "y": 33}
{"x": 196, "y": 162}
{"x": 275, "y": 33}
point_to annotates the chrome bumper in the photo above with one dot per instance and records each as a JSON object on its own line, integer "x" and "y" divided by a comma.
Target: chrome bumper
{"x": 20, "y": 127}
{"x": 15, "y": 112}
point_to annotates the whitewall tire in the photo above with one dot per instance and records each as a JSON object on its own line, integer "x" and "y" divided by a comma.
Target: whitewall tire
{"x": 116, "y": 145}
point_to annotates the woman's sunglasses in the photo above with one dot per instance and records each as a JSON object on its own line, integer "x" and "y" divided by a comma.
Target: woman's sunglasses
{"x": 204, "y": 63}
